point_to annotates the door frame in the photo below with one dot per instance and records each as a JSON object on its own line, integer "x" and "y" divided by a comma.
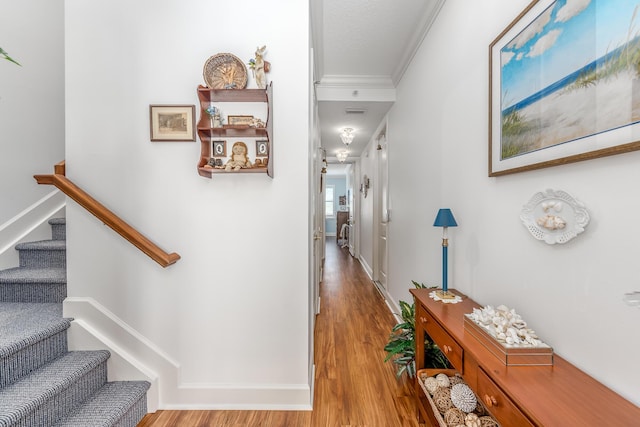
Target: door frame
{"x": 382, "y": 182}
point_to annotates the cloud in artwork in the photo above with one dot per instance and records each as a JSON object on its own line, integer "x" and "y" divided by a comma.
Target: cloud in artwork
{"x": 544, "y": 43}
{"x": 531, "y": 30}
{"x": 506, "y": 56}
{"x": 571, "y": 9}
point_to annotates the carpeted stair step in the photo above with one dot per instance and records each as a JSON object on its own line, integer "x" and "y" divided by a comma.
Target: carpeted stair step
{"x": 120, "y": 404}
{"x": 58, "y": 228}
{"x": 43, "y": 254}
{"x": 27, "y": 284}
{"x": 54, "y": 391}
{"x": 32, "y": 335}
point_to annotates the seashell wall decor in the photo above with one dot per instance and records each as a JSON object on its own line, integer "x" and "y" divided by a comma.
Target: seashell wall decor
{"x": 554, "y": 216}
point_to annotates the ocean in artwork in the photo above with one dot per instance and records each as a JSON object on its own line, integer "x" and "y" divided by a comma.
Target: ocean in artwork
{"x": 574, "y": 71}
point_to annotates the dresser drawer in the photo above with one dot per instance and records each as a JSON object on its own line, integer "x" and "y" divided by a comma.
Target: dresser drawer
{"x": 498, "y": 403}
{"x": 448, "y": 345}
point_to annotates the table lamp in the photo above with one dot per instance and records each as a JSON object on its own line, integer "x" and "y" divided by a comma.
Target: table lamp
{"x": 445, "y": 220}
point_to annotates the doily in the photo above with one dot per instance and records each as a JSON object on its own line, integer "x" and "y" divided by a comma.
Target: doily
{"x": 435, "y": 297}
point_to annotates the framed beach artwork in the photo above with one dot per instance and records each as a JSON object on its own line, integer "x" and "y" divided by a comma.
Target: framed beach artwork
{"x": 564, "y": 85}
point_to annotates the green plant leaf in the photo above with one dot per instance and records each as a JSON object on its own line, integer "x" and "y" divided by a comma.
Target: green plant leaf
{"x": 401, "y": 345}
{"x": 6, "y": 56}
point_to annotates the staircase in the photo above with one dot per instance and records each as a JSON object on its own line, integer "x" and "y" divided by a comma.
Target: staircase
{"x": 42, "y": 383}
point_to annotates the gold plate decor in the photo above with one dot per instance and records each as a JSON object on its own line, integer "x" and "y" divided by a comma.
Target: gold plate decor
{"x": 225, "y": 71}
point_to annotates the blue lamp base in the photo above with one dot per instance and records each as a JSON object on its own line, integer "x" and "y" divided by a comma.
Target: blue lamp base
{"x": 444, "y": 292}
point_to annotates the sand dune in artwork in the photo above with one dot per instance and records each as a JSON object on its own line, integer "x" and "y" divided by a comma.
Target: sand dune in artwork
{"x": 571, "y": 114}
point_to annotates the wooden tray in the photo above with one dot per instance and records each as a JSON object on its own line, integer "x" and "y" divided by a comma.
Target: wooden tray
{"x": 509, "y": 355}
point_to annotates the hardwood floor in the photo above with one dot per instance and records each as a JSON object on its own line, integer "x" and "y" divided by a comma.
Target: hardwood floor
{"x": 353, "y": 386}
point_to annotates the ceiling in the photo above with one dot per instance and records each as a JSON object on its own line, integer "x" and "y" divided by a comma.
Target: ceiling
{"x": 361, "y": 50}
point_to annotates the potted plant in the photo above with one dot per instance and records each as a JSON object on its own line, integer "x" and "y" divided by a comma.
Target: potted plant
{"x": 402, "y": 346}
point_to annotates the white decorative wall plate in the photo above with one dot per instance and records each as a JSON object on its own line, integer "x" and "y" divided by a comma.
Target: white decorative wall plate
{"x": 554, "y": 216}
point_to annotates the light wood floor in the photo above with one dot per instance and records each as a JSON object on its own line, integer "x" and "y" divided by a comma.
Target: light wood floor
{"x": 353, "y": 387}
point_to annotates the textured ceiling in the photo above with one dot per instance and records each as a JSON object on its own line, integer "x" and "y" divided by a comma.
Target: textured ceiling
{"x": 361, "y": 49}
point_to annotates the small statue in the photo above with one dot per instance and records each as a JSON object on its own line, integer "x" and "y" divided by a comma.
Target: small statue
{"x": 259, "y": 67}
{"x": 239, "y": 159}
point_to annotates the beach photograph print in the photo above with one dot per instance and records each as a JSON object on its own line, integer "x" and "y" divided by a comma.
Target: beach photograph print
{"x": 565, "y": 74}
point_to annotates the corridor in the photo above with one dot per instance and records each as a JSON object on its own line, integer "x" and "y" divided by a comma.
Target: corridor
{"x": 353, "y": 386}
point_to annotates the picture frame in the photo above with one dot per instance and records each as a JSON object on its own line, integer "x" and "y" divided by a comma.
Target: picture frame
{"x": 218, "y": 148}
{"x": 262, "y": 148}
{"x": 239, "y": 120}
{"x": 172, "y": 122}
{"x": 560, "y": 90}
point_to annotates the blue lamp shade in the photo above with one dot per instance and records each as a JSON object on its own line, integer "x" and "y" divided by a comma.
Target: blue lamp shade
{"x": 445, "y": 219}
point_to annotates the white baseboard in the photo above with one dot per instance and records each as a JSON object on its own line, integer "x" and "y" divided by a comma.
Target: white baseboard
{"x": 135, "y": 357}
{"x": 29, "y": 225}
{"x": 367, "y": 268}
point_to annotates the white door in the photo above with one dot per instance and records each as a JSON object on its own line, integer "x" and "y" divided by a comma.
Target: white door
{"x": 317, "y": 202}
{"x": 383, "y": 212}
{"x": 318, "y": 224}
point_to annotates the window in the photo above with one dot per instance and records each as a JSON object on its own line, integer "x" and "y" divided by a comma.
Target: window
{"x": 328, "y": 201}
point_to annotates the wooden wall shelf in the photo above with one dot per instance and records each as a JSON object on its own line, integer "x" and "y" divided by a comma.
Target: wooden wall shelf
{"x": 207, "y": 133}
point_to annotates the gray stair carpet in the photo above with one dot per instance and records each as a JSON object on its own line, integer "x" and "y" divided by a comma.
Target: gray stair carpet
{"x": 29, "y": 284}
{"x": 42, "y": 384}
{"x": 32, "y": 335}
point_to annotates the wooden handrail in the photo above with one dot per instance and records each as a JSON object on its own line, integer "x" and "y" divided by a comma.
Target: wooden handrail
{"x": 106, "y": 216}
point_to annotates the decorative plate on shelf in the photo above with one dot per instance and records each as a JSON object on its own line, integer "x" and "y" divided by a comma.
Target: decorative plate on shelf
{"x": 554, "y": 216}
{"x": 225, "y": 71}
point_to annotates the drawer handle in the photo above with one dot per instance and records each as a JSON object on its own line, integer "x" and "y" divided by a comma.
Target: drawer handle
{"x": 447, "y": 349}
{"x": 423, "y": 319}
{"x": 490, "y": 400}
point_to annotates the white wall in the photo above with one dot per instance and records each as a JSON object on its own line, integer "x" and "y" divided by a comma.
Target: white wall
{"x": 570, "y": 294}
{"x": 233, "y": 312}
{"x": 31, "y": 102}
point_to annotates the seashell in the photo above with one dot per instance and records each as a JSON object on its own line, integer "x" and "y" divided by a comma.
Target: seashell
{"x": 472, "y": 420}
{"x": 454, "y": 417}
{"x": 463, "y": 398}
{"x": 442, "y": 380}
{"x": 431, "y": 384}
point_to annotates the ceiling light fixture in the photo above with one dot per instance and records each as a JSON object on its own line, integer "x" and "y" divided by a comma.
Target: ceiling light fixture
{"x": 342, "y": 155}
{"x": 347, "y": 136}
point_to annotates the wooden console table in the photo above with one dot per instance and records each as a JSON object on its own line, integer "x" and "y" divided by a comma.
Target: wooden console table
{"x": 558, "y": 395}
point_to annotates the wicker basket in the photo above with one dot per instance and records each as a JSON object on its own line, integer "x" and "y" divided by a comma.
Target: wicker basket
{"x": 424, "y": 373}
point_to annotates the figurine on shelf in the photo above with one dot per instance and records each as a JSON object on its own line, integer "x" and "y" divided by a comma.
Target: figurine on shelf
{"x": 214, "y": 116}
{"x": 239, "y": 159}
{"x": 256, "y": 123}
{"x": 259, "y": 67}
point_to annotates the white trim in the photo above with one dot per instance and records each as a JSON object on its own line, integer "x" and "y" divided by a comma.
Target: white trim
{"x": 367, "y": 268}
{"x": 133, "y": 356}
{"x": 30, "y": 224}
{"x": 415, "y": 43}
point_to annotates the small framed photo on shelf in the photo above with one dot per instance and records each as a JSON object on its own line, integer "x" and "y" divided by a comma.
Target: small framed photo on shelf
{"x": 262, "y": 148}
{"x": 214, "y": 162}
{"x": 218, "y": 148}
{"x": 172, "y": 122}
{"x": 239, "y": 120}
